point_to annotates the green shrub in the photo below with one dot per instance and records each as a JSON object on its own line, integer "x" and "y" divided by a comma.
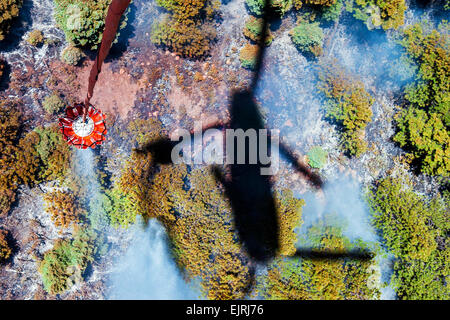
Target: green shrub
{"x": 256, "y": 7}
{"x": 35, "y": 38}
{"x": 53, "y": 104}
{"x": 307, "y": 37}
{"x": 427, "y": 138}
{"x": 253, "y": 30}
{"x": 424, "y": 121}
{"x": 63, "y": 266}
{"x": 317, "y": 157}
{"x": 72, "y": 55}
{"x": 332, "y": 12}
{"x": 415, "y": 230}
{"x": 10, "y": 131}
{"x": 248, "y": 56}
{"x": 9, "y": 9}
{"x": 119, "y": 208}
{"x": 188, "y": 29}
{"x": 83, "y": 21}
{"x": 179, "y": 198}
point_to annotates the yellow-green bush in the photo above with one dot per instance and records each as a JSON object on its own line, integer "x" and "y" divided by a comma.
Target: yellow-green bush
{"x": 329, "y": 279}
{"x": 197, "y": 216}
{"x": 289, "y": 210}
{"x": 27, "y": 158}
{"x": 10, "y": 132}
{"x": 323, "y": 3}
{"x": 317, "y": 157}
{"x": 5, "y": 249}
{"x": 308, "y": 38}
{"x": 248, "y": 56}
{"x": 279, "y": 6}
{"x": 53, "y": 104}
{"x": 188, "y": 28}
{"x": 348, "y": 104}
{"x": 389, "y": 14}
{"x": 54, "y": 153}
{"x": 35, "y": 38}
{"x": 415, "y": 229}
{"x": 253, "y": 30}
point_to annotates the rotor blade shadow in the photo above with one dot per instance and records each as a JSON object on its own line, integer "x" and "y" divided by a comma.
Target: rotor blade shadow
{"x": 314, "y": 254}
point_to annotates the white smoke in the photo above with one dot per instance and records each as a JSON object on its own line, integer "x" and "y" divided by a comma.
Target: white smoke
{"x": 147, "y": 270}
{"x": 341, "y": 197}
{"x": 86, "y": 168}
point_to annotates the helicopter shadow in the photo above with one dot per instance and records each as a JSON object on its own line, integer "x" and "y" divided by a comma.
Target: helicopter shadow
{"x": 251, "y": 194}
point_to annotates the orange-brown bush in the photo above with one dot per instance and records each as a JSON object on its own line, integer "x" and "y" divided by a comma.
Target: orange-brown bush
{"x": 10, "y": 123}
{"x": 2, "y": 67}
{"x": 248, "y": 56}
{"x": 9, "y": 9}
{"x": 63, "y": 207}
{"x": 39, "y": 155}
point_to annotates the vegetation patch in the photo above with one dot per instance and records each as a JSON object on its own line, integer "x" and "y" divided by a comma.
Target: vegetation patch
{"x": 317, "y": 157}
{"x": 53, "y": 104}
{"x": 423, "y": 123}
{"x": 197, "y": 216}
{"x": 253, "y": 30}
{"x": 5, "y": 249}
{"x": 249, "y": 55}
{"x": 9, "y": 9}
{"x": 64, "y": 265}
{"x": 256, "y": 7}
{"x": 83, "y": 21}
{"x": 388, "y": 14}
{"x": 308, "y": 38}
{"x": 330, "y": 279}
{"x": 64, "y": 208}
{"x": 415, "y": 229}
{"x": 72, "y": 55}
{"x": 188, "y": 28}
{"x": 348, "y": 105}
{"x": 35, "y": 38}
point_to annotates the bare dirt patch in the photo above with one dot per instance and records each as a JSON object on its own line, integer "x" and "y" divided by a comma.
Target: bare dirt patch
{"x": 114, "y": 93}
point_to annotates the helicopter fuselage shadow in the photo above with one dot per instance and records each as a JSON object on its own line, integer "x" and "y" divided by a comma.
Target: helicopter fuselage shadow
{"x": 250, "y": 193}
